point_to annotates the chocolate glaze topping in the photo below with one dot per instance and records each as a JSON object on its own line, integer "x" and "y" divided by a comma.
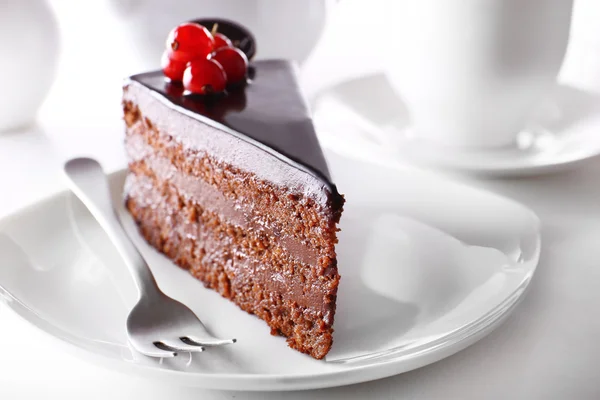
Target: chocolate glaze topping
{"x": 241, "y": 37}
{"x": 270, "y": 112}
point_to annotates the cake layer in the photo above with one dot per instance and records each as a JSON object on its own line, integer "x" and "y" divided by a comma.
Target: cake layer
{"x": 251, "y": 270}
{"x": 287, "y": 211}
{"x": 295, "y": 252}
{"x": 200, "y": 192}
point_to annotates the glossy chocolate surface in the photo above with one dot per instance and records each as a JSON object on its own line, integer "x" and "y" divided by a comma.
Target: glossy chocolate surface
{"x": 270, "y": 112}
{"x": 239, "y": 35}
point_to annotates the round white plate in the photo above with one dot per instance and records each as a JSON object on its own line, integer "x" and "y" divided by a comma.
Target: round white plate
{"x": 428, "y": 267}
{"x": 363, "y": 117}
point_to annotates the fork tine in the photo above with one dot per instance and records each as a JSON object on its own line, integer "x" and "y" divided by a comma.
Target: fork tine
{"x": 194, "y": 340}
{"x": 151, "y": 350}
{"x": 178, "y": 345}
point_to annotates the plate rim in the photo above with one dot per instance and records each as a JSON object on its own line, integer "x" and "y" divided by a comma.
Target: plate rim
{"x": 517, "y": 169}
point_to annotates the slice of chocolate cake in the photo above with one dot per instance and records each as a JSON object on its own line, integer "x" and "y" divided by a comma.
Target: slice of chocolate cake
{"x": 237, "y": 191}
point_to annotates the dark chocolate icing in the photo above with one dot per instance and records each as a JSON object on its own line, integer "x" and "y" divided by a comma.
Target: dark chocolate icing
{"x": 269, "y": 112}
{"x": 241, "y": 37}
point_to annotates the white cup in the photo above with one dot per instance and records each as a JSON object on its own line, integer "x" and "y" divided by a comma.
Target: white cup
{"x": 472, "y": 72}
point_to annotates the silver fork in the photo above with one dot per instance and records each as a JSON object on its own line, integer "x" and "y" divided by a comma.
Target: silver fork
{"x": 157, "y": 326}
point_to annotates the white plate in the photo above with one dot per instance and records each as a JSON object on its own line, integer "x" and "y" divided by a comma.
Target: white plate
{"x": 363, "y": 117}
{"x": 428, "y": 267}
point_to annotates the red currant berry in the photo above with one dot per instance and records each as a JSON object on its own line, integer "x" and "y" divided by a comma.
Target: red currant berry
{"x": 221, "y": 41}
{"x": 204, "y": 77}
{"x": 233, "y": 61}
{"x": 171, "y": 68}
{"x": 188, "y": 42}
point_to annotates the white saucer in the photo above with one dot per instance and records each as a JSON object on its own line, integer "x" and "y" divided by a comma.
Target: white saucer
{"x": 423, "y": 276}
{"x": 363, "y": 117}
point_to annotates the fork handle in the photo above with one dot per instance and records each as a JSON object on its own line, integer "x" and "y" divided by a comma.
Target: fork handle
{"x": 88, "y": 182}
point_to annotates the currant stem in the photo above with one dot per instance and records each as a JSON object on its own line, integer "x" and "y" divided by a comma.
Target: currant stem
{"x": 215, "y": 27}
{"x": 208, "y": 89}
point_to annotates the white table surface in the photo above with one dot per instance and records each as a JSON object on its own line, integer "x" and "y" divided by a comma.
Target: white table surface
{"x": 547, "y": 349}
